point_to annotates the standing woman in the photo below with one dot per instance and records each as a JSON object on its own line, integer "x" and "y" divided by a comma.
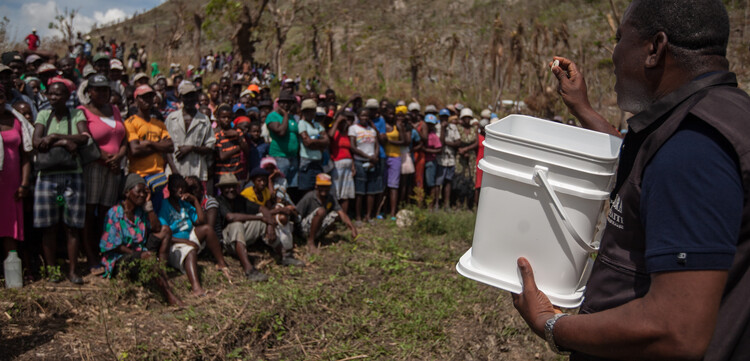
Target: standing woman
{"x": 343, "y": 174}
{"x": 466, "y": 158}
{"x": 396, "y": 137}
{"x": 59, "y": 194}
{"x": 102, "y": 177}
{"x": 15, "y": 176}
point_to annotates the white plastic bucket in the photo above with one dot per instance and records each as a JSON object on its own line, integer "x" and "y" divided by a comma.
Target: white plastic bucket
{"x": 544, "y": 190}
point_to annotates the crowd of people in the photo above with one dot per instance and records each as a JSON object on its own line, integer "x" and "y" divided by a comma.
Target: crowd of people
{"x": 121, "y": 165}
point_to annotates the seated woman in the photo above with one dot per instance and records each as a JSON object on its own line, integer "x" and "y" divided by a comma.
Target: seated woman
{"x": 127, "y": 228}
{"x": 184, "y": 215}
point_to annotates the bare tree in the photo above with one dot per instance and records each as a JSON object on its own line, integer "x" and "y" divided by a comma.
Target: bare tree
{"x": 198, "y": 22}
{"x": 244, "y": 36}
{"x": 64, "y": 24}
{"x": 284, "y": 14}
{"x": 177, "y": 30}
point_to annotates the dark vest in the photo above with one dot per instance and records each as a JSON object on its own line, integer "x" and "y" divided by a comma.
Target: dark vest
{"x": 619, "y": 273}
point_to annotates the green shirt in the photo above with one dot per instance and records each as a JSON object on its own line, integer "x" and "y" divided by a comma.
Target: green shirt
{"x": 61, "y": 127}
{"x": 288, "y": 145}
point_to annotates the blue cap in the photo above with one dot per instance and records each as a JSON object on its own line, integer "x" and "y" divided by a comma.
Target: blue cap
{"x": 237, "y": 107}
{"x": 445, "y": 112}
{"x": 253, "y": 110}
{"x": 493, "y": 116}
{"x": 430, "y": 118}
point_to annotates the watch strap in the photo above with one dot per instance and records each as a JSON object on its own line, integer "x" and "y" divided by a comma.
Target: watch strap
{"x": 549, "y": 335}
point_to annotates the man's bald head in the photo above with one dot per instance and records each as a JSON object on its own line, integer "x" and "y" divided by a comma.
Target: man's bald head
{"x": 695, "y": 29}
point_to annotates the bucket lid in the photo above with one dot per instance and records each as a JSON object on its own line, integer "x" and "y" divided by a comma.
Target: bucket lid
{"x": 560, "y": 137}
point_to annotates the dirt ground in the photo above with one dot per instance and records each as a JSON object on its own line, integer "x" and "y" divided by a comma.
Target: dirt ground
{"x": 391, "y": 294}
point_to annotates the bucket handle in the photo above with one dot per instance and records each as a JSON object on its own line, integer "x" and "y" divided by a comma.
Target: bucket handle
{"x": 540, "y": 174}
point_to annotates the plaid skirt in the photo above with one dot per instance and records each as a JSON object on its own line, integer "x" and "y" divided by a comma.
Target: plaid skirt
{"x": 102, "y": 185}
{"x": 72, "y": 205}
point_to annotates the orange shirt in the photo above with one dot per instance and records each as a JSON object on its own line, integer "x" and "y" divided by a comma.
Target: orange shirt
{"x": 154, "y": 131}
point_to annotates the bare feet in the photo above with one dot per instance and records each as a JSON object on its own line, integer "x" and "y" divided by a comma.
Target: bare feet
{"x": 199, "y": 292}
{"x": 312, "y": 248}
{"x": 225, "y": 271}
{"x": 175, "y": 301}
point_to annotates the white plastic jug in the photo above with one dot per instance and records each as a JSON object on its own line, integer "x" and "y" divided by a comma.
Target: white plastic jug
{"x": 544, "y": 190}
{"x": 13, "y": 271}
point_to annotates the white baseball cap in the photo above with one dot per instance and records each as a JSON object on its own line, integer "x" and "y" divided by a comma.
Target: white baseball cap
{"x": 466, "y": 112}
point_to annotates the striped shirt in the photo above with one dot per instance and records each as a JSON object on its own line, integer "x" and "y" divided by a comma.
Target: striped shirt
{"x": 234, "y": 164}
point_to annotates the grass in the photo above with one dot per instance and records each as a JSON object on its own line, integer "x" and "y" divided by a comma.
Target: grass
{"x": 393, "y": 294}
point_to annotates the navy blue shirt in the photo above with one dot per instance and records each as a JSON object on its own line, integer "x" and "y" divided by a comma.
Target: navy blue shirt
{"x": 691, "y": 201}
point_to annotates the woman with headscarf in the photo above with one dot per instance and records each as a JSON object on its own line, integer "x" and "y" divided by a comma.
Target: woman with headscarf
{"x": 123, "y": 243}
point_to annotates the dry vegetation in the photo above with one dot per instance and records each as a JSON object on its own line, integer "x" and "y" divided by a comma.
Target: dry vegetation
{"x": 392, "y": 294}
{"x": 473, "y": 51}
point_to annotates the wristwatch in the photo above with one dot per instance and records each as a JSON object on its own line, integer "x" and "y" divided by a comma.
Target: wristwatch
{"x": 549, "y": 334}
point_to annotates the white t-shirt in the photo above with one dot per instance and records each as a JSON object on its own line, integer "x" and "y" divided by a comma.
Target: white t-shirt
{"x": 313, "y": 131}
{"x": 366, "y": 140}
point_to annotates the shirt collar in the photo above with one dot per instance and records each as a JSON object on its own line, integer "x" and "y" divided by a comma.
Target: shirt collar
{"x": 664, "y": 105}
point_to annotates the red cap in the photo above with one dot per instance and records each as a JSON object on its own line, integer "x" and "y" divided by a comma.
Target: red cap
{"x": 143, "y": 89}
{"x": 58, "y": 79}
{"x": 241, "y": 119}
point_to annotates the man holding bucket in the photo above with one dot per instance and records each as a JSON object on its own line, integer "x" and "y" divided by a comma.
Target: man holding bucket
{"x": 671, "y": 280}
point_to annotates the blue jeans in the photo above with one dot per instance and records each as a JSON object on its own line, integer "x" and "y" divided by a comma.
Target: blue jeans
{"x": 308, "y": 170}
{"x": 288, "y": 166}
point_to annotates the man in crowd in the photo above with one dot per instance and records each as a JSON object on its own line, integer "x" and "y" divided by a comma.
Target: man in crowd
{"x": 32, "y": 40}
{"x": 192, "y": 135}
{"x": 671, "y": 278}
{"x": 149, "y": 144}
{"x": 319, "y": 210}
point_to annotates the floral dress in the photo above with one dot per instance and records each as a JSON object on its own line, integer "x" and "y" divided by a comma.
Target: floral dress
{"x": 120, "y": 231}
{"x": 463, "y": 181}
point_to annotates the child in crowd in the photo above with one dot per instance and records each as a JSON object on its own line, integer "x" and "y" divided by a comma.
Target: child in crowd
{"x": 24, "y": 109}
{"x": 432, "y": 148}
{"x": 230, "y": 145}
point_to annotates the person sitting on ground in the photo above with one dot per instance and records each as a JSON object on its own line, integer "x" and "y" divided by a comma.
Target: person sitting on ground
{"x": 208, "y": 203}
{"x": 259, "y": 191}
{"x": 183, "y": 213}
{"x": 318, "y": 210}
{"x": 244, "y": 223}
{"x": 127, "y": 228}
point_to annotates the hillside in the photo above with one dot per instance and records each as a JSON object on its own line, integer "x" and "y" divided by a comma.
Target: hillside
{"x": 473, "y": 51}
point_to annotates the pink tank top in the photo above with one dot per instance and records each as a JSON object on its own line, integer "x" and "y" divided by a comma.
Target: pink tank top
{"x": 106, "y": 136}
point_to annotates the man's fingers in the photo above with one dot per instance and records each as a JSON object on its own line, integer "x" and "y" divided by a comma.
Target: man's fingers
{"x": 572, "y": 69}
{"x": 559, "y": 74}
{"x": 527, "y": 275}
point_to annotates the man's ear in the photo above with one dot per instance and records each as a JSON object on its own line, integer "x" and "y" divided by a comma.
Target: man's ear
{"x": 657, "y": 50}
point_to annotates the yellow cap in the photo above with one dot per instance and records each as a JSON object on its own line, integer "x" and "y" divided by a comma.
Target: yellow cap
{"x": 323, "y": 179}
